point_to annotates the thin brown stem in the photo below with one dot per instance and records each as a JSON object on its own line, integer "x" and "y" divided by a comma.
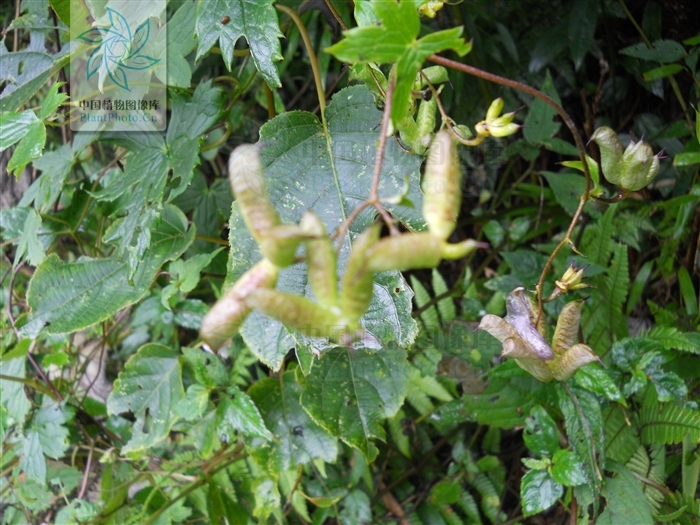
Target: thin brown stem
{"x": 86, "y": 476}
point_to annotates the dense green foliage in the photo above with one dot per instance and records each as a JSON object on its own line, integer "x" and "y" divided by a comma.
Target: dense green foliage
{"x": 115, "y": 246}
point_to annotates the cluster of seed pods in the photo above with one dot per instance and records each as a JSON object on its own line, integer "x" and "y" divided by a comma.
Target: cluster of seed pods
{"x": 337, "y": 311}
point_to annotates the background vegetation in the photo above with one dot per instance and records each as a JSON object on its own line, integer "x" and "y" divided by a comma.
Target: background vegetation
{"x": 115, "y": 246}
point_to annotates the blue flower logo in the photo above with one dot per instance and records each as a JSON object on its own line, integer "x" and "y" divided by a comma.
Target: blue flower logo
{"x": 117, "y": 49}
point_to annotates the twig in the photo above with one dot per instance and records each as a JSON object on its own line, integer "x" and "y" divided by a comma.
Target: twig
{"x": 335, "y": 14}
{"x": 83, "y": 486}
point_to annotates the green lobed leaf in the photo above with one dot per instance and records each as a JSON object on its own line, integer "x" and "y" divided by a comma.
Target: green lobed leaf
{"x": 55, "y": 166}
{"x": 236, "y": 412}
{"x": 307, "y": 168}
{"x": 14, "y": 126}
{"x": 27, "y": 72}
{"x": 538, "y": 491}
{"x": 13, "y": 397}
{"x": 33, "y": 462}
{"x": 348, "y": 392}
{"x": 175, "y": 41}
{"x": 267, "y": 497}
{"x": 538, "y": 124}
{"x": 567, "y": 187}
{"x": 255, "y": 21}
{"x": 29, "y": 247}
{"x": 299, "y": 439}
{"x": 49, "y": 424}
{"x": 70, "y": 296}
{"x": 150, "y": 387}
{"x": 396, "y": 41}
{"x": 356, "y": 508}
{"x": 28, "y": 149}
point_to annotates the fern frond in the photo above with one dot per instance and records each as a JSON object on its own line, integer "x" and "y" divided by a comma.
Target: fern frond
{"x": 468, "y": 504}
{"x": 621, "y": 440}
{"x": 446, "y": 307}
{"x": 430, "y": 316}
{"x": 672, "y": 338}
{"x": 691, "y": 506}
{"x": 668, "y": 423}
{"x": 641, "y": 464}
{"x": 490, "y": 500}
{"x": 491, "y": 443}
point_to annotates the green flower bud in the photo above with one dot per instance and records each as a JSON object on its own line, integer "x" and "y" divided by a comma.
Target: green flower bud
{"x": 441, "y": 186}
{"x": 298, "y": 313}
{"x": 610, "y": 152}
{"x": 226, "y": 316}
{"x": 321, "y": 260}
{"x": 638, "y": 166}
{"x": 430, "y": 8}
{"x": 502, "y": 127}
{"x": 358, "y": 280}
{"x": 494, "y": 109}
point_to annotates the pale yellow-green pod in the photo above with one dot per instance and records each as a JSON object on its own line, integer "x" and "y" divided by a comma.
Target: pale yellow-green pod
{"x": 566, "y": 332}
{"x": 248, "y": 186}
{"x": 568, "y": 363}
{"x": 537, "y": 368}
{"x": 279, "y": 244}
{"x": 610, "y": 152}
{"x": 494, "y": 109}
{"x": 358, "y": 280}
{"x": 497, "y": 327}
{"x": 452, "y": 251}
{"x": 227, "y": 315}
{"x": 321, "y": 262}
{"x": 297, "y": 312}
{"x": 408, "y": 251}
{"x": 441, "y": 186}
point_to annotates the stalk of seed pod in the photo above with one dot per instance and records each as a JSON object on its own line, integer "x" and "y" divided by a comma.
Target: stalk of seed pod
{"x": 321, "y": 261}
{"x": 226, "y": 316}
{"x": 358, "y": 281}
{"x": 441, "y": 186}
{"x": 297, "y": 312}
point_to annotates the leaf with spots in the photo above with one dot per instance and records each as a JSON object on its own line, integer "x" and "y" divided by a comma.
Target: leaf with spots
{"x": 299, "y": 438}
{"x": 149, "y": 386}
{"x": 349, "y": 392}
{"x": 328, "y": 170}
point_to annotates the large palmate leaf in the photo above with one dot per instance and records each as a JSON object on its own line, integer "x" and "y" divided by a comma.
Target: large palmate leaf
{"x": 228, "y": 20}
{"x": 70, "y": 296}
{"x": 349, "y": 392}
{"x": 299, "y": 438}
{"x": 149, "y": 386}
{"x": 329, "y": 173}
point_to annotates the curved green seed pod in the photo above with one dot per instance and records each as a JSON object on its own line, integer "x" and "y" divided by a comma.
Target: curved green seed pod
{"x": 441, "y": 186}
{"x": 460, "y": 249}
{"x": 566, "y": 332}
{"x": 638, "y": 166}
{"x": 226, "y": 316}
{"x": 298, "y": 313}
{"x": 358, "y": 281}
{"x": 610, "y": 152}
{"x": 279, "y": 244}
{"x": 320, "y": 260}
{"x": 568, "y": 363}
{"x": 249, "y": 188}
{"x": 408, "y": 251}
{"x": 427, "y": 113}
